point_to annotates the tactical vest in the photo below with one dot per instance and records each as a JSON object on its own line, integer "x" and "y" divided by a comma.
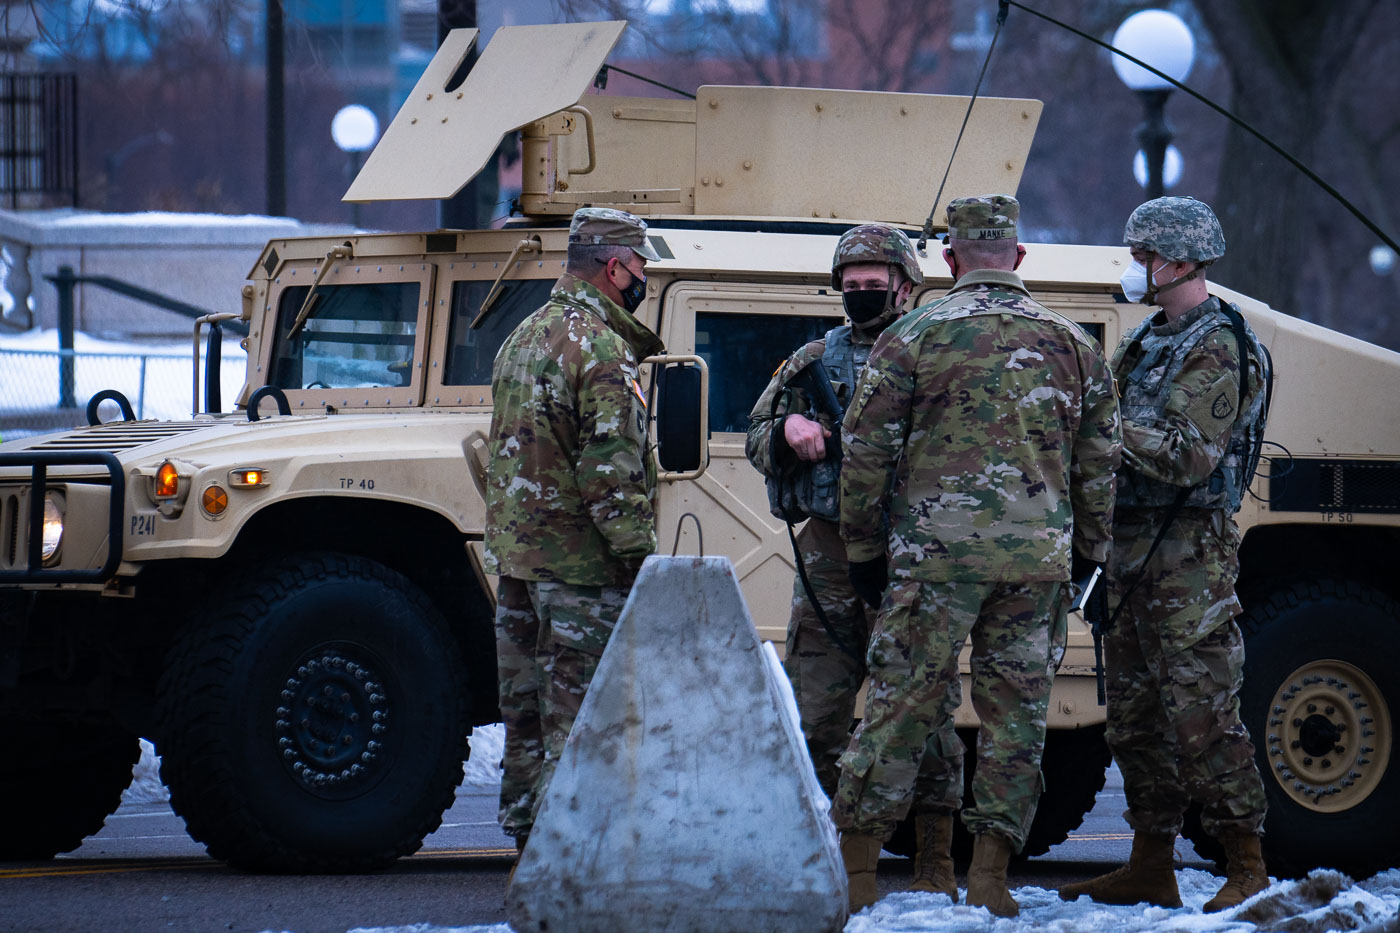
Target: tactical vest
{"x": 1145, "y": 391}
{"x": 813, "y": 490}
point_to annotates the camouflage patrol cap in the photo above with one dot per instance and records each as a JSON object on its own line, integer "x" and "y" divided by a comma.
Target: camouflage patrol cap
{"x": 984, "y": 217}
{"x": 875, "y": 243}
{"x": 604, "y": 226}
{"x": 1177, "y": 229}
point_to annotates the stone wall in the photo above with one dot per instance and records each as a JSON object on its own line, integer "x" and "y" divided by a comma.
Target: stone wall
{"x": 201, "y": 259}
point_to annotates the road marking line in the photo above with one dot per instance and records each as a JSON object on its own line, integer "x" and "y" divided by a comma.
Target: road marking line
{"x": 496, "y": 852}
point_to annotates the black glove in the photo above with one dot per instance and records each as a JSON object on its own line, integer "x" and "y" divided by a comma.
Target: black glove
{"x": 1081, "y": 568}
{"x": 869, "y": 579}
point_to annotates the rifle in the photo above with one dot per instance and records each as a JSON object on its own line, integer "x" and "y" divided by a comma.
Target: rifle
{"x": 813, "y": 380}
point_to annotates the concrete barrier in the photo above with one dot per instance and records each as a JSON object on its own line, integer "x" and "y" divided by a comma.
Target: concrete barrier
{"x": 684, "y": 800}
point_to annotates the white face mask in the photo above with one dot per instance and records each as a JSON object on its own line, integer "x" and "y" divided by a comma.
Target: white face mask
{"x": 1134, "y": 282}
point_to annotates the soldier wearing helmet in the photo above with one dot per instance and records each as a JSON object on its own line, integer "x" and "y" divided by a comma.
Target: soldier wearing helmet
{"x": 874, "y": 269}
{"x": 980, "y": 453}
{"x": 1192, "y": 380}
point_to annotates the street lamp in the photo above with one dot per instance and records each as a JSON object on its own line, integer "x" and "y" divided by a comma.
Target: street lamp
{"x": 1171, "y": 168}
{"x": 355, "y": 129}
{"x": 1161, "y": 39}
{"x": 1382, "y": 259}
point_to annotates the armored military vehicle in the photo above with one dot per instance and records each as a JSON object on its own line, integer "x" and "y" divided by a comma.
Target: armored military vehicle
{"x": 292, "y": 605}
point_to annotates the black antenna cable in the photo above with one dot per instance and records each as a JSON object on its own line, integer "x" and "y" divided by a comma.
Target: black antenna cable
{"x": 1002, "y": 10}
{"x": 1356, "y": 212}
{"x": 601, "y": 81}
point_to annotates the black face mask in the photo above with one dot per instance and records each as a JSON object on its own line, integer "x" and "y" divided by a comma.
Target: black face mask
{"x": 633, "y": 294}
{"x": 866, "y": 304}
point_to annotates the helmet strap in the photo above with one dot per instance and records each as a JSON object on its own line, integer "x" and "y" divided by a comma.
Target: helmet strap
{"x": 1154, "y": 290}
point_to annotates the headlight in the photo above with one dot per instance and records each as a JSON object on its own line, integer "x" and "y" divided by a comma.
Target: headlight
{"x": 53, "y": 526}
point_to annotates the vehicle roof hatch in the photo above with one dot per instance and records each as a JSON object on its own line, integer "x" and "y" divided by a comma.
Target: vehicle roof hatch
{"x": 440, "y": 139}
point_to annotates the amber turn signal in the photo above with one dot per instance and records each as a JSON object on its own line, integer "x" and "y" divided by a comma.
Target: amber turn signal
{"x": 167, "y": 481}
{"x": 246, "y": 477}
{"x": 215, "y": 500}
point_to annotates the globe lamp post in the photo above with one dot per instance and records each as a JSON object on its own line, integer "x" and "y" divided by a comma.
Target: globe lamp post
{"x": 1162, "y": 40}
{"x": 355, "y": 130}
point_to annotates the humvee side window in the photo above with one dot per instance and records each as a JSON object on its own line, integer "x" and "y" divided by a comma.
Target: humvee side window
{"x": 743, "y": 351}
{"x": 470, "y": 353}
{"x": 355, "y": 336}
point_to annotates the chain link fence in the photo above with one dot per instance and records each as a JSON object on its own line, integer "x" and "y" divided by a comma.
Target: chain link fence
{"x": 158, "y": 385}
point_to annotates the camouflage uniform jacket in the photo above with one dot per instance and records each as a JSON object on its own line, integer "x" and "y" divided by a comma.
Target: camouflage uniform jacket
{"x": 988, "y": 425}
{"x": 761, "y": 444}
{"x": 571, "y": 489}
{"x": 1181, "y": 405}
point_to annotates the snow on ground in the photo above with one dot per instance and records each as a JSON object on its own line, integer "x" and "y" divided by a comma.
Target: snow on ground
{"x": 484, "y": 766}
{"x": 1323, "y": 902}
{"x": 145, "y": 779}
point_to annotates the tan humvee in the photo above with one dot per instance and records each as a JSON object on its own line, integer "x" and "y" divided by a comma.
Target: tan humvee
{"x": 293, "y": 607}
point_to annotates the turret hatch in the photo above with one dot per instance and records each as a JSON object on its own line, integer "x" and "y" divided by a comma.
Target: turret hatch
{"x": 440, "y": 139}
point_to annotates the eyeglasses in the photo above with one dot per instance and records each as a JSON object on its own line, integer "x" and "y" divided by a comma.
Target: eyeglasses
{"x": 635, "y": 273}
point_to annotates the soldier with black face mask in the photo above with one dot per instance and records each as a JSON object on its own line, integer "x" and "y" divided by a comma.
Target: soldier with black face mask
{"x": 790, "y": 441}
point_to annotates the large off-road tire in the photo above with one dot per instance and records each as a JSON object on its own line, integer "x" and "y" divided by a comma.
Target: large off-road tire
{"x": 58, "y": 783}
{"x": 314, "y": 720}
{"x": 1075, "y": 764}
{"x": 1320, "y": 698}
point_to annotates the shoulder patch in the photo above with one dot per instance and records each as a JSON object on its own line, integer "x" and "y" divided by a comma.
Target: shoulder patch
{"x": 1222, "y": 407}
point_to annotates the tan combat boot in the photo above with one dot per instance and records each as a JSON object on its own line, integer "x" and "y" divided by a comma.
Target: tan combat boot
{"x": 933, "y": 863}
{"x": 862, "y": 856}
{"x": 1244, "y": 872}
{"x": 986, "y": 879}
{"x": 1148, "y": 878}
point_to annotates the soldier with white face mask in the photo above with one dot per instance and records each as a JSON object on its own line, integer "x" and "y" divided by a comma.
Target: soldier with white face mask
{"x": 1192, "y": 387}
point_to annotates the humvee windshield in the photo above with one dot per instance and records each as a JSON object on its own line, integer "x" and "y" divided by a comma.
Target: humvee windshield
{"x": 357, "y": 336}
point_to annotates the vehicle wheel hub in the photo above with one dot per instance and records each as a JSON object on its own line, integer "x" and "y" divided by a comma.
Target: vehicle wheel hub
{"x": 332, "y": 722}
{"x": 1328, "y": 736}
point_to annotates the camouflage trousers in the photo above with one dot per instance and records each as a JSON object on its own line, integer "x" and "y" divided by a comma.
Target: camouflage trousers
{"x": 1174, "y": 661}
{"x": 549, "y": 639}
{"x": 1018, "y": 638}
{"x": 826, "y": 680}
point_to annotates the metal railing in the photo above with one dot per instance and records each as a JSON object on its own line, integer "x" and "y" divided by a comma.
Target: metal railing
{"x": 157, "y": 384}
{"x": 39, "y": 136}
{"x": 66, "y": 280}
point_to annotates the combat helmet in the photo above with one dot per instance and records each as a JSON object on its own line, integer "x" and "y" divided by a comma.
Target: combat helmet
{"x": 1177, "y": 229}
{"x": 876, "y": 243}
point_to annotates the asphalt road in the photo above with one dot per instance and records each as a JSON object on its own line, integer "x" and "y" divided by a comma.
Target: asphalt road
{"x": 141, "y": 872}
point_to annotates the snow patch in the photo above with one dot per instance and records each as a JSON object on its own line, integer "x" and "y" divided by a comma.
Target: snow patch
{"x": 1332, "y": 905}
{"x": 1324, "y": 900}
{"x": 145, "y": 780}
{"x": 483, "y": 768}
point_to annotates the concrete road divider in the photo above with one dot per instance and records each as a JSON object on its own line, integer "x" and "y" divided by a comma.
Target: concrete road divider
{"x": 684, "y": 800}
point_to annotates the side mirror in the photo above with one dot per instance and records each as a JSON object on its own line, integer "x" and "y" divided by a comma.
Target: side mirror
{"x": 682, "y": 416}
{"x": 213, "y": 368}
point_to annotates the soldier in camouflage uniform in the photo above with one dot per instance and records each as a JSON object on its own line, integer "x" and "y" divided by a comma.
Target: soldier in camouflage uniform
{"x": 570, "y": 503}
{"x": 1174, "y": 655}
{"x": 986, "y": 426}
{"x": 875, "y": 268}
